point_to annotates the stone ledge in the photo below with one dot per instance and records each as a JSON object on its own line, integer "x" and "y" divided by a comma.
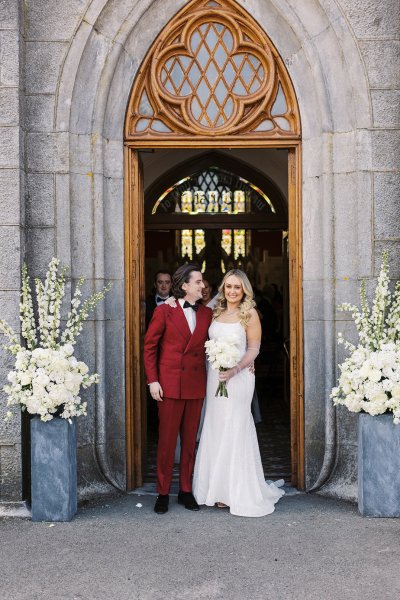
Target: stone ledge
{"x": 15, "y": 509}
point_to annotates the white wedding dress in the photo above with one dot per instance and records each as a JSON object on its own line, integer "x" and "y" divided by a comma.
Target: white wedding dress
{"x": 228, "y": 465}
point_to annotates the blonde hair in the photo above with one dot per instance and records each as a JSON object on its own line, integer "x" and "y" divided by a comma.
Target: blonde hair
{"x": 246, "y": 303}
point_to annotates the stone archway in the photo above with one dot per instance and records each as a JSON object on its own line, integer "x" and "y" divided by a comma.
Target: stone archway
{"x": 333, "y": 99}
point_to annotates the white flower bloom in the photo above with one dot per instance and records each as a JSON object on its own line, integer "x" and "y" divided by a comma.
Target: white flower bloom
{"x": 379, "y": 398}
{"x": 24, "y": 378}
{"x": 375, "y": 375}
{"x": 82, "y": 367}
{"x": 387, "y": 385}
{"x": 12, "y": 377}
{"x": 67, "y": 349}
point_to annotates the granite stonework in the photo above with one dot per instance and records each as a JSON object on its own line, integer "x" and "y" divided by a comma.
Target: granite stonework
{"x": 378, "y": 466}
{"x": 12, "y": 221}
{"x": 66, "y": 71}
{"x": 53, "y": 469}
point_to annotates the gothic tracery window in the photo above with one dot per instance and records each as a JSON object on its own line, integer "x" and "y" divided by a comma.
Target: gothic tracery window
{"x": 212, "y": 72}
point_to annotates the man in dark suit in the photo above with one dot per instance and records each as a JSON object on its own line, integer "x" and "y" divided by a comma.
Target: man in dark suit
{"x": 161, "y": 291}
{"x": 174, "y": 361}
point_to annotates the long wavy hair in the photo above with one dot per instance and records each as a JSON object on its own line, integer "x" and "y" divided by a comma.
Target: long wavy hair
{"x": 246, "y": 303}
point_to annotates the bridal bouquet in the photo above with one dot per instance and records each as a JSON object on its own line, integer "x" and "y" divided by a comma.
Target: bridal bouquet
{"x": 370, "y": 377}
{"x": 223, "y": 353}
{"x": 46, "y": 378}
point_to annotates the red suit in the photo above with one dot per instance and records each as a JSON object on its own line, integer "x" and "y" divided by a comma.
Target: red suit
{"x": 175, "y": 358}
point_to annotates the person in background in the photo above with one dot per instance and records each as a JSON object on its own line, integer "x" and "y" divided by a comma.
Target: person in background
{"x": 159, "y": 294}
{"x": 206, "y": 293}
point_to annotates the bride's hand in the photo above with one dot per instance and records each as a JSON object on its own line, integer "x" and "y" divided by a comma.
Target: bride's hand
{"x": 171, "y": 301}
{"x": 227, "y": 375}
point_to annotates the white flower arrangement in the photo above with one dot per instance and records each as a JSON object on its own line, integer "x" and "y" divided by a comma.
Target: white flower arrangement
{"x": 370, "y": 377}
{"x": 223, "y": 353}
{"x": 46, "y": 378}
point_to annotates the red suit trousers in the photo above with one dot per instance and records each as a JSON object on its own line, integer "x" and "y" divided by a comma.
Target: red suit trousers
{"x": 175, "y": 416}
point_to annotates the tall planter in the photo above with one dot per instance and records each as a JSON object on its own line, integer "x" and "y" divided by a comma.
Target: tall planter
{"x": 378, "y": 466}
{"x": 53, "y": 469}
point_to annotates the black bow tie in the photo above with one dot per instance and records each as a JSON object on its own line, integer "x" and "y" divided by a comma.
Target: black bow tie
{"x": 159, "y": 299}
{"x": 187, "y": 304}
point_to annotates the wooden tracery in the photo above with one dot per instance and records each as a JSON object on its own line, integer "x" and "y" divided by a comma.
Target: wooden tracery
{"x": 212, "y": 72}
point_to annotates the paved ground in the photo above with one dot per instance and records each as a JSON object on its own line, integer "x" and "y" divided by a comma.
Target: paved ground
{"x": 311, "y": 548}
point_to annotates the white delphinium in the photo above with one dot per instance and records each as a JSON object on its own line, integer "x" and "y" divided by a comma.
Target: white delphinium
{"x": 223, "y": 353}
{"x": 77, "y": 317}
{"x": 392, "y": 331}
{"x": 47, "y": 378}
{"x": 27, "y": 317}
{"x": 370, "y": 377}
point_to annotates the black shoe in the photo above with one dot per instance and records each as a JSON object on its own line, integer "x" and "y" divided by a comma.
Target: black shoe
{"x": 161, "y": 505}
{"x": 188, "y": 501}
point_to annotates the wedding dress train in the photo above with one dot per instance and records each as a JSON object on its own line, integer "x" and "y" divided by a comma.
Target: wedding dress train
{"x": 228, "y": 466}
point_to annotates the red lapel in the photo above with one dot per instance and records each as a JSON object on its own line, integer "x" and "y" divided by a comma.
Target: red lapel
{"x": 201, "y": 320}
{"x": 178, "y": 319}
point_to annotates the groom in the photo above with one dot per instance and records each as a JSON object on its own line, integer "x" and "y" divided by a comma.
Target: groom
{"x": 174, "y": 361}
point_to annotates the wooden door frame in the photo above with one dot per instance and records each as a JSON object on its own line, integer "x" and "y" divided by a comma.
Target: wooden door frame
{"x": 135, "y": 300}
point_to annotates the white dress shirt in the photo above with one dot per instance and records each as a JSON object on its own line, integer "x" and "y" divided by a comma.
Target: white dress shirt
{"x": 161, "y": 301}
{"x": 190, "y": 315}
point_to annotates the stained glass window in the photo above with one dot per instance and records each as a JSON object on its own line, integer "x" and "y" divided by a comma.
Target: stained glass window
{"x": 239, "y": 201}
{"x": 226, "y": 241}
{"x": 213, "y": 191}
{"x": 239, "y": 243}
{"x": 192, "y": 243}
{"x": 186, "y": 202}
{"x": 199, "y": 241}
{"x": 187, "y": 244}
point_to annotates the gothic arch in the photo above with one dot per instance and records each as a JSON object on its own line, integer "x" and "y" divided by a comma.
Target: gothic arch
{"x": 212, "y": 72}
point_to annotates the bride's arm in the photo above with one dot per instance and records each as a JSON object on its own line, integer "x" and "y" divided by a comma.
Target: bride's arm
{"x": 171, "y": 301}
{"x": 253, "y": 335}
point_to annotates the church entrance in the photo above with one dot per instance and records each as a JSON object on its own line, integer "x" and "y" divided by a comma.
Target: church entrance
{"x": 221, "y": 213}
{"x": 212, "y": 171}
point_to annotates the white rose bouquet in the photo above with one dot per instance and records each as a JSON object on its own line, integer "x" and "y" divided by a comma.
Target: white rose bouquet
{"x": 223, "y": 353}
{"x": 370, "y": 377}
{"x": 46, "y": 378}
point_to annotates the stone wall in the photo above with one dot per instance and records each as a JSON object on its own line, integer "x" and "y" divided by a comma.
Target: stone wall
{"x": 376, "y": 27}
{"x": 12, "y": 217}
{"x": 66, "y": 73}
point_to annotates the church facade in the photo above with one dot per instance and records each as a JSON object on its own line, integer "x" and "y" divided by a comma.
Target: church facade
{"x": 106, "y": 105}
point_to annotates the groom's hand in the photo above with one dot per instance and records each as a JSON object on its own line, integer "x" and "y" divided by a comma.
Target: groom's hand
{"x": 156, "y": 391}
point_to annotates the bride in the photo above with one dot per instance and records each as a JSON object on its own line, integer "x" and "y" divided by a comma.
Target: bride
{"x": 228, "y": 470}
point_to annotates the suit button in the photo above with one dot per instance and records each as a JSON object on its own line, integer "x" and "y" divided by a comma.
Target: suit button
{"x": 183, "y": 368}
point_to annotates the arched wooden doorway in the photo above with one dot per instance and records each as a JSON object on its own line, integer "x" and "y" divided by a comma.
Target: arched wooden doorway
{"x": 212, "y": 79}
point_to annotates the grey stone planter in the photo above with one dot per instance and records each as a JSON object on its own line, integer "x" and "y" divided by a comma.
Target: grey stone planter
{"x": 53, "y": 469}
{"x": 378, "y": 466}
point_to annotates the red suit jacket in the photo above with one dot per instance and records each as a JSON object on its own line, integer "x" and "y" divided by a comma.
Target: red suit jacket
{"x": 175, "y": 357}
